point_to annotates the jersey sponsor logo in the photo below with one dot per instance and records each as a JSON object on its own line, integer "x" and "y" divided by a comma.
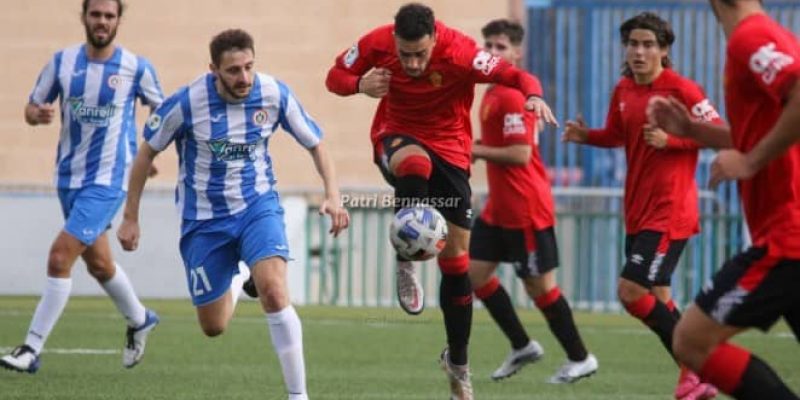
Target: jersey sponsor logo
{"x": 485, "y": 62}
{"x": 98, "y": 116}
{"x": 154, "y": 122}
{"x": 514, "y": 124}
{"x": 705, "y": 111}
{"x": 224, "y": 150}
{"x": 260, "y": 117}
{"x": 114, "y": 81}
{"x": 769, "y": 62}
{"x": 351, "y": 56}
{"x": 435, "y": 78}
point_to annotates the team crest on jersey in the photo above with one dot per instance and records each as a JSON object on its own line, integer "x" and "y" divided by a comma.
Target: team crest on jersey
{"x": 769, "y": 62}
{"x": 351, "y": 56}
{"x": 98, "y": 116}
{"x": 154, "y": 122}
{"x": 435, "y": 78}
{"x": 485, "y": 62}
{"x": 224, "y": 150}
{"x": 260, "y": 117}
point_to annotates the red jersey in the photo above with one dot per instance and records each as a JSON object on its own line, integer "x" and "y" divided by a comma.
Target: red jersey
{"x": 435, "y": 107}
{"x": 660, "y": 190}
{"x": 763, "y": 63}
{"x": 519, "y": 195}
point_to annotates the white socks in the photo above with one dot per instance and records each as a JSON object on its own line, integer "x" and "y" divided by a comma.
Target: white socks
{"x": 51, "y": 305}
{"x": 238, "y": 281}
{"x": 121, "y": 292}
{"x": 287, "y": 339}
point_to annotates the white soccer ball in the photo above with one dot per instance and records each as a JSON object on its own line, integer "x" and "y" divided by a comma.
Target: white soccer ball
{"x": 418, "y": 233}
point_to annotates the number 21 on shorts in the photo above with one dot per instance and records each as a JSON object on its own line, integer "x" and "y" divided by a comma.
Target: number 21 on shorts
{"x": 199, "y": 280}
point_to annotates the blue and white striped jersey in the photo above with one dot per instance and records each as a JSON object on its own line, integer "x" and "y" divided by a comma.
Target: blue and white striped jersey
{"x": 222, "y": 147}
{"x": 98, "y": 127}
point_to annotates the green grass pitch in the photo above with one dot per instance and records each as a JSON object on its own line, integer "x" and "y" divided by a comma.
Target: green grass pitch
{"x": 356, "y": 353}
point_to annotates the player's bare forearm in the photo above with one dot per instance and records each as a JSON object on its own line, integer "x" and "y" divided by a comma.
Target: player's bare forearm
{"x": 515, "y": 154}
{"x": 326, "y": 171}
{"x": 710, "y": 135}
{"x": 139, "y": 172}
{"x": 783, "y": 135}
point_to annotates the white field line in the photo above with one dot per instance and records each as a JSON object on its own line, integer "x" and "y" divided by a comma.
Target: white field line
{"x": 94, "y": 352}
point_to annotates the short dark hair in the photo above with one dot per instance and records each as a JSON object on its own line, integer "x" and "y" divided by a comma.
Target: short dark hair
{"x": 120, "y": 7}
{"x": 413, "y": 21}
{"x": 513, "y": 30}
{"x": 653, "y": 23}
{"x": 228, "y": 40}
{"x": 732, "y": 3}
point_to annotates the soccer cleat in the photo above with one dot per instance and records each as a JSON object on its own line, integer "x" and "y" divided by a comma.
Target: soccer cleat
{"x": 136, "y": 339}
{"x": 409, "y": 291}
{"x": 21, "y": 359}
{"x": 518, "y": 359}
{"x": 572, "y": 371}
{"x": 691, "y": 388}
{"x": 249, "y": 286}
{"x": 459, "y": 376}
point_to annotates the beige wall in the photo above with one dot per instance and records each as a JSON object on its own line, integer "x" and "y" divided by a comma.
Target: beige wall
{"x": 296, "y": 40}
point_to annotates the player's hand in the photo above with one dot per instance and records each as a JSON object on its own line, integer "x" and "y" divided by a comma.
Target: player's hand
{"x": 43, "y": 114}
{"x": 340, "y": 218}
{"x": 576, "y": 131}
{"x": 375, "y": 83}
{"x": 669, "y": 114}
{"x": 730, "y": 165}
{"x": 152, "y": 171}
{"x": 542, "y": 110}
{"x": 655, "y": 136}
{"x": 128, "y": 234}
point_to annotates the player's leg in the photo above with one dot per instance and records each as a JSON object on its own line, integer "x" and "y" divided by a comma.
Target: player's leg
{"x": 116, "y": 284}
{"x": 64, "y": 250}
{"x": 645, "y": 253}
{"x": 407, "y": 167}
{"x": 751, "y": 290}
{"x": 486, "y": 249}
{"x": 451, "y": 193}
{"x": 537, "y": 261}
{"x": 264, "y": 246}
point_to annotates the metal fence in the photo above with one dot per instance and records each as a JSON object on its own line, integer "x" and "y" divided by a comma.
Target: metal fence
{"x": 358, "y": 268}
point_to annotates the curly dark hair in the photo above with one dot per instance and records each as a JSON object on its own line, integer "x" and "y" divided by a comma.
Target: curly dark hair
{"x": 228, "y": 40}
{"x": 513, "y": 30}
{"x": 413, "y": 21}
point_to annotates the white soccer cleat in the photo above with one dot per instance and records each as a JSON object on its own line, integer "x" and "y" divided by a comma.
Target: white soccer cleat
{"x": 410, "y": 294}
{"x": 518, "y": 359}
{"x": 136, "y": 339}
{"x": 21, "y": 359}
{"x": 459, "y": 377}
{"x": 572, "y": 371}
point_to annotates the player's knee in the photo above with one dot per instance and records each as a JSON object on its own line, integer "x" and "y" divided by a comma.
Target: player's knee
{"x": 100, "y": 271}
{"x": 58, "y": 263}
{"x": 212, "y": 328}
{"x": 630, "y": 292}
{"x": 686, "y": 348}
{"x": 414, "y": 165}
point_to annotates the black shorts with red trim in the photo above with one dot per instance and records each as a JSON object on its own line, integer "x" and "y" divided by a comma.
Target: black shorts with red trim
{"x": 531, "y": 252}
{"x": 448, "y": 187}
{"x": 754, "y": 289}
{"x": 651, "y": 258}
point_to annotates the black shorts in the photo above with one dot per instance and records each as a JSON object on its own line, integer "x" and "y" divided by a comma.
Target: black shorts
{"x": 448, "y": 188}
{"x": 532, "y": 252}
{"x": 651, "y": 258}
{"x": 754, "y": 289}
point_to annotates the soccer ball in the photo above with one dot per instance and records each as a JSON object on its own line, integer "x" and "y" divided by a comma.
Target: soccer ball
{"x": 418, "y": 233}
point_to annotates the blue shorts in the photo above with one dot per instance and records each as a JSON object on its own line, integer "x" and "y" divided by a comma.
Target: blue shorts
{"x": 211, "y": 249}
{"x": 89, "y": 210}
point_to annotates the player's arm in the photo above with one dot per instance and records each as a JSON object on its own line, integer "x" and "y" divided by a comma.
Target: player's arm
{"x": 39, "y": 109}
{"x": 306, "y": 132}
{"x": 670, "y": 114}
{"x": 515, "y": 154}
{"x": 162, "y": 127}
{"x": 353, "y": 72}
{"x": 700, "y": 109}
{"x": 783, "y": 135}
{"x": 609, "y": 136}
{"x": 332, "y": 205}
{"x": 148, "y": 90}
{"x": 129, "y": 231}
